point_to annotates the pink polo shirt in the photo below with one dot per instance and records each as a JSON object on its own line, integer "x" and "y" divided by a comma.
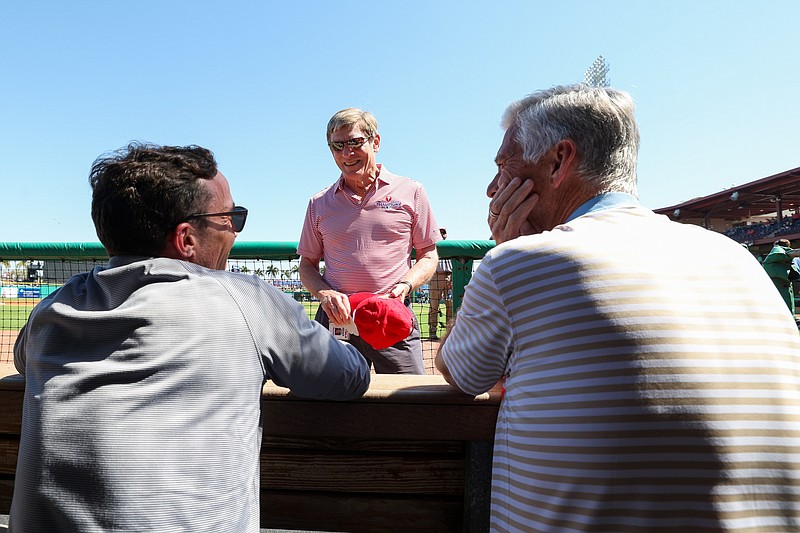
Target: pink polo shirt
{"x": 367, "y": 246}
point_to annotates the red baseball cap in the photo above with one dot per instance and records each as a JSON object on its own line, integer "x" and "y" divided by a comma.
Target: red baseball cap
{"x": 381, "y": 321}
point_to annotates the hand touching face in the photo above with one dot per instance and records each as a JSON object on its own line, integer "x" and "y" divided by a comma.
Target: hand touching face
{"x": 534, "y": 197}
{"x": 513, "y": 192}
{"x": 510, "y": 210}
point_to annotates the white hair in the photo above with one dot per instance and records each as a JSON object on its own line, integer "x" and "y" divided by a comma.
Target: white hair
{"x": 599, "y": 120}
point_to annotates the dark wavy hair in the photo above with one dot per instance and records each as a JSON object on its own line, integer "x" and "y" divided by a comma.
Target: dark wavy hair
{"x": 141, "y": 192}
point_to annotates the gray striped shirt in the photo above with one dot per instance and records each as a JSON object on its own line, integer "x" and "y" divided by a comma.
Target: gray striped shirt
{"x": 653, "y": 379}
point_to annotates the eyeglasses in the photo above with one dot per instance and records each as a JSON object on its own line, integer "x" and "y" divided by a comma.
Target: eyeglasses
{"x": 358, "y": 142}
{"x": 238, "y": 217}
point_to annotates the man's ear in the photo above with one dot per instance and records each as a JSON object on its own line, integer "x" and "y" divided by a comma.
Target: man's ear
{"x": 565, "y": 158}
{"x": 182, "y": 242}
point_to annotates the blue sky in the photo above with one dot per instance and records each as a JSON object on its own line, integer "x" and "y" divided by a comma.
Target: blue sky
{"x": 715, "y": 82}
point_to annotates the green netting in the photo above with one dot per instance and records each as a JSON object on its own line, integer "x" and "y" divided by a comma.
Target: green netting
{"x": 31, "y": 271}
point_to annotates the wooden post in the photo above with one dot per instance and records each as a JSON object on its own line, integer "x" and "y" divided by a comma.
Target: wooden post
{"x": 477, "y": 486}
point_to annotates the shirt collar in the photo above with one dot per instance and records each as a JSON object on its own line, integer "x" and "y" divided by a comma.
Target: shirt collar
{"x": 607, "y": 200}
{"x": 384, "y": 176}
{"x": 122, "y": 260}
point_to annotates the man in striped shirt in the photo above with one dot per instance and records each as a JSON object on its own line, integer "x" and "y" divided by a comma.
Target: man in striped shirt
{"x": 364, "y": 227}
{"x": 647, "y": 388}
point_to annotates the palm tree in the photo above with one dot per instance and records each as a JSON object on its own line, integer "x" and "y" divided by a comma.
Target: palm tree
{"x": 259, "y": 272}
{"x": 243, "y": 269}
{"x": 272, "y": 271}
{"x": 21, "y": 270}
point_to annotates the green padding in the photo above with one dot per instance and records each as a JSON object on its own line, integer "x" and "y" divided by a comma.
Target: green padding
{"x": 466, "y": 249}
{"x": 264, "y": 250}
{"x": 23, "y": 251}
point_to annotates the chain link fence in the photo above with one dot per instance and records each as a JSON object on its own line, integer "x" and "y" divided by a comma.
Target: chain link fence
{"x": 30, "y": 272}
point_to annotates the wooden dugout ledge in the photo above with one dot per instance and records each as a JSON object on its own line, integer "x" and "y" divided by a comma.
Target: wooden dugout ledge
{"x": 411, "y": 455}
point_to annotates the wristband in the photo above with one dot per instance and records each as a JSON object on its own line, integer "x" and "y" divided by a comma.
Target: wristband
{"x": 408, "y": 283}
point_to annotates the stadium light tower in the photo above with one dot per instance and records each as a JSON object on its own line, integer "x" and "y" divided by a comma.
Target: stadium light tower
{"x": 597, "y": 74}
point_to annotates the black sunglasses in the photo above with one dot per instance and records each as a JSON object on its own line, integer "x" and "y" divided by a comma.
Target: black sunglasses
{"x": 357, "y": 142}
{"x": 238, "y": 217}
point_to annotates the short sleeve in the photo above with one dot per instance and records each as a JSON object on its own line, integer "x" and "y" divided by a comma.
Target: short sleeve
{"x": 477, "y": 349}
{"x": 310, "y": 244}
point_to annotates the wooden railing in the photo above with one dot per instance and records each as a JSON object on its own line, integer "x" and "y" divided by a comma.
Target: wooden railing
{"x": 411, "y": 455}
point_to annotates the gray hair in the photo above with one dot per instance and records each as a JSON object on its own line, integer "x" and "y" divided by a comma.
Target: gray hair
{"x": 353, "y": 116}
{"x": 599, "y": 120}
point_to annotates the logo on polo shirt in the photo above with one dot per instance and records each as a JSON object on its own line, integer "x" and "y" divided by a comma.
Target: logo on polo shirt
{"x": 388, "y": 203}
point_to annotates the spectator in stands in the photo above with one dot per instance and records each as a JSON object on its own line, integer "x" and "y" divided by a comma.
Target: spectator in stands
{"x": 439, "y": 289}
{"x": 764, "y": 229}
{"x": 143, "y": 379}
{"x": 781, "y": 270}
{"x": 364, "y": 227}
{"x": 638, "y": 394}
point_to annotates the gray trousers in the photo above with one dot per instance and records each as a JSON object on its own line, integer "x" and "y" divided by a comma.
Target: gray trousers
{"x": 404, "y": 357}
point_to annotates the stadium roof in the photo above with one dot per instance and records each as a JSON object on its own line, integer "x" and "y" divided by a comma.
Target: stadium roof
{"x": 743, "y": 201}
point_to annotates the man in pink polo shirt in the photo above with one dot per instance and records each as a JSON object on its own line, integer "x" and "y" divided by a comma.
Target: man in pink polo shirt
{"x": 364, "y": 227}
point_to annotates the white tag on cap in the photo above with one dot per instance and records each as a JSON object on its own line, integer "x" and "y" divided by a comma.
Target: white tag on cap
{"x": 351, "y": 326}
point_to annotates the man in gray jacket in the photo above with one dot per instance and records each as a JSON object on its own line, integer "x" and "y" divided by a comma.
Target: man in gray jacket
{"x": 143, "y": 378}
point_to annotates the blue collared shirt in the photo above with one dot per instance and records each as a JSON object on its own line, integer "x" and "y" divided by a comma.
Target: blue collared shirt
{"x": 605, "y": 201}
